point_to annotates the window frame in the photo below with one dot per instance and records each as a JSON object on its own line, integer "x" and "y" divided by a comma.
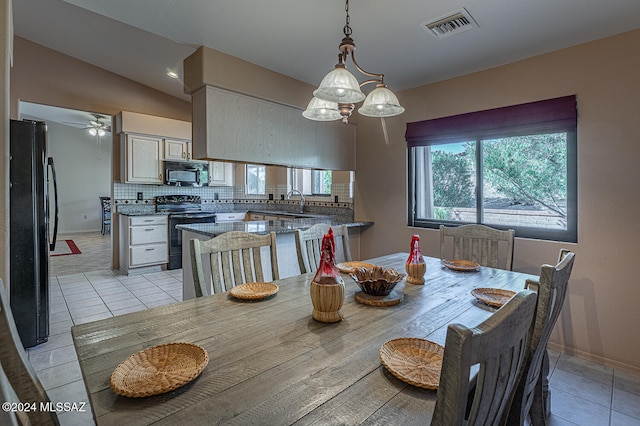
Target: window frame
{"x": 246, "y": 179}
{"x": 570, "y": 234}
{"x": 301, "y": 179}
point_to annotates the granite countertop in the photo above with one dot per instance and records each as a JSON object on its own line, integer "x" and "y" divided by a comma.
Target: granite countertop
{"x": 152, "y": 212}
{"x": 264, "y": 226}
{"x": 142, "y": 213}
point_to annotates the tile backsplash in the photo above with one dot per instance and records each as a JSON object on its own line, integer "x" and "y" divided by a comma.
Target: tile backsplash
{"x": 227, "y": 198}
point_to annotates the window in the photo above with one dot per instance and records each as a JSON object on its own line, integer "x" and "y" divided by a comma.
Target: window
{"x": 512, "y": 167}
{"x": 256, "y": 179}
{"x": 311, "y": 182}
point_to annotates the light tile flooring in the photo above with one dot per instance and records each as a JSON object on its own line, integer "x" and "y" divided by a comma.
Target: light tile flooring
{"x": 84, "y": 297}
{"x": 582, "y": 393}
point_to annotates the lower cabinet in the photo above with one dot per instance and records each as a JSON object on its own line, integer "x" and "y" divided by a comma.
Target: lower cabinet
{"x": 143, "y": 242}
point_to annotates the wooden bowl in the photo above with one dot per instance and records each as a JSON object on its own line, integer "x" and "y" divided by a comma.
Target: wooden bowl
{"x": 376, "y": 281}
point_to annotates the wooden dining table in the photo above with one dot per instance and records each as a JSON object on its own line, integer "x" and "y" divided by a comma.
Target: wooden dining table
{"x": 271, "y": 363}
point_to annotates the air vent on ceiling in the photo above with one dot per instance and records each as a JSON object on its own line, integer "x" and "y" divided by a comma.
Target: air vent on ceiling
{"x": 450, "y": 24}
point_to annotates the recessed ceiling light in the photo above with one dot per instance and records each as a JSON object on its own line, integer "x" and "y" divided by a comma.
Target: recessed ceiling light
{"x": 172, "y": 74}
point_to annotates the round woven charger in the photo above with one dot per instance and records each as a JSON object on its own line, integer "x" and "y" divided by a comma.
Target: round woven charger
{"x": 493, "y": 296}
{"x": 252, "y": 291}
{"x": 414, "y": 361}
{"x": 461, "y": 265}
{"x": 158, "y": 369}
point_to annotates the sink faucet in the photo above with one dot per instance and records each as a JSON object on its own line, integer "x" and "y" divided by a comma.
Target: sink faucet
{"x": 293, "y": 191}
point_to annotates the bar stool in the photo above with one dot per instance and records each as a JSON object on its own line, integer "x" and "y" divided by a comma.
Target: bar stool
{"x": 105, "y": 205}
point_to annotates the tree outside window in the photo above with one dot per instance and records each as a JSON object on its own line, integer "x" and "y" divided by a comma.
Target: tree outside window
{"x": 509, "y": 176}
{"x": 311, "y": 182}
{"x": 256, "y": 179}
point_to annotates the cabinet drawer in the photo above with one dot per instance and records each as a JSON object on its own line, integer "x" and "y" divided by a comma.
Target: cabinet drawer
{"x": 148, "y": 234}
{"x": 147, "y": 220}
{"x": 148, "y": 254}
{"x": 230, "y": 217}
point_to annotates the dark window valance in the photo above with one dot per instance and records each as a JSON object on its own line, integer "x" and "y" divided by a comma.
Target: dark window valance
{"x": 551, "y": 115}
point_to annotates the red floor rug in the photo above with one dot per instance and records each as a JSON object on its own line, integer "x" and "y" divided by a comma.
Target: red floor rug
{"x": 65, "y": 248}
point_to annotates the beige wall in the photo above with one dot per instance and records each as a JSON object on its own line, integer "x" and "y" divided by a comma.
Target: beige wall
{"x": 601, "y": 317}
{"x": 44, "y": 76}
{"x": 6, "y": 36}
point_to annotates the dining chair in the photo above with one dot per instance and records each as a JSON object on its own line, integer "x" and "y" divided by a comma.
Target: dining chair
{"x": 532, "y": 394}
{"x": 234, "y": 258}
{"x": 309, "y": 243}
{"x": 105, "y": 213}
{"x": 499, "y": 346}
{"x": 19, "y": 372}
{"x": 478, "y": 243}
{"x": 8, "y": 395}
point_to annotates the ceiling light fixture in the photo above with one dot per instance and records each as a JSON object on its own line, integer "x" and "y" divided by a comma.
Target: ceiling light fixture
{"x": 98, "y": 127}
{"x": 339, "y": 90}
{"x": 172, "y": 74}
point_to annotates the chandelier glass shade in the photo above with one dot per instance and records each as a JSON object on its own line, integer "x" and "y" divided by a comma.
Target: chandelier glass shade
{"x": 381, "y": 102}
{"x": 340, "y": 86}
{"x": 320, "y": 110}
{"x": 342, "y": 89}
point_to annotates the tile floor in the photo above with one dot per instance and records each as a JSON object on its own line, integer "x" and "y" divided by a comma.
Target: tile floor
{"x": 84, "y": 297}
{"x": 582, "y": 393}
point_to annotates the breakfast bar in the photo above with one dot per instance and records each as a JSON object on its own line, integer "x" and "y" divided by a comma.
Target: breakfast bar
{"x": 284, "y": 229}
{"x": 271, "y": 363}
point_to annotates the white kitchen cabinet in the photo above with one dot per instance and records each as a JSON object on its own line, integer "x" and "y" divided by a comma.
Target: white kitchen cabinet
{"x": 142, "y": 159}
{"x": 143, "y": 242}
{"x": 229, "y": 126}
{"x": 176, "y": 149}
{"x": 220, "y": 174}
{"x": 230, "y": 217}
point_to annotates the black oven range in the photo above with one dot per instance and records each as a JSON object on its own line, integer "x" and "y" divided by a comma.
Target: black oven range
{"x": 181, "y": 209}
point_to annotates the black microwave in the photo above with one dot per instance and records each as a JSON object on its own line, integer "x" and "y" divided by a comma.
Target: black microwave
{"x": 186, "y": 173}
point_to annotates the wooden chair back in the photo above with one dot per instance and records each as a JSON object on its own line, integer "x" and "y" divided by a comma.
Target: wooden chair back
{"x": 234, "y": 258}
{"x": 499, "y": 346}
{"x": 552, "y": 289}
{"x": 309, "y": 245}
{"x": 478, "y": 243}
{"x": 18, "y": 370}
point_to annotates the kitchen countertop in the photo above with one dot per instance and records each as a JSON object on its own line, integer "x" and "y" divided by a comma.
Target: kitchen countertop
{"x": 265, "y": 226}
{"x": 265, "y": 212}
{"x": 141, "y": 213}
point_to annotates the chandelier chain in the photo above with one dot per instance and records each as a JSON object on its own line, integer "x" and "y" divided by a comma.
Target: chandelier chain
{"x": 347, "y": 28}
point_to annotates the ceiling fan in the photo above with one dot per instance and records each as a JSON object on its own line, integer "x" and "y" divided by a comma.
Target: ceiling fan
{"x": 98, "y": 126}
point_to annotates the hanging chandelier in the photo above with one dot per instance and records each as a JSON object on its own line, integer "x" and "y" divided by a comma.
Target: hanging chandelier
{"x": 339, "y": 90}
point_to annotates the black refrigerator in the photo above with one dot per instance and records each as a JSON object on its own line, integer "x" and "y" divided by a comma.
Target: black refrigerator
{"x": 31, "y": 173}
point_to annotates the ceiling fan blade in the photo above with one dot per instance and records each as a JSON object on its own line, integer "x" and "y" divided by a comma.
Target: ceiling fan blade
{"x": 76, "y": 125}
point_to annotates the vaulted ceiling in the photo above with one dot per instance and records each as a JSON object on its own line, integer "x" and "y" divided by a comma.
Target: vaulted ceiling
{"x": 143, "y": 39}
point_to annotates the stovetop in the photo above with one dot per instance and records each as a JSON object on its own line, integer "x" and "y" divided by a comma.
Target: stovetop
{"x": 179, "y": 204}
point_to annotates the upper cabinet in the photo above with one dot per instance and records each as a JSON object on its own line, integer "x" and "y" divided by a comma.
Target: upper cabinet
{"x": 143, "y": 159}
{"x": 176, "y": 149}
{"x": 220, "y": 174}
{"x": 228, "y": 126}
{"x": 146, "y": 141}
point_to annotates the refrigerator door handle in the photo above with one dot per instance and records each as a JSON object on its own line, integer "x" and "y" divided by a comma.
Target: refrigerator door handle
{"x": 52, "y": 244}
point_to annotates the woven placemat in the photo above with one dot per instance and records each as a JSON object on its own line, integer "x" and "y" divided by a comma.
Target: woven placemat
{"x": 461, "y": 265}
{"x": 414, "y": 361}
{"x": 158, "y": 369}
{"x": 254, "y": 291}
{"x": 495, "y": 297}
